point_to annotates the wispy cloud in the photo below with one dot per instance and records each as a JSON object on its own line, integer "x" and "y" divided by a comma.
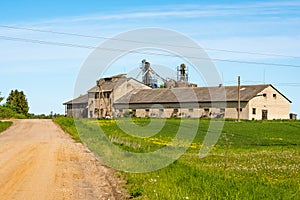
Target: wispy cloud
{"x": 255, "y": 10}
{"x": 218, "y": 33}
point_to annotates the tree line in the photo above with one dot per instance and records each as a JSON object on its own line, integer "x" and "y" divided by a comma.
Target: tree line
{"x": 16, "y": 106}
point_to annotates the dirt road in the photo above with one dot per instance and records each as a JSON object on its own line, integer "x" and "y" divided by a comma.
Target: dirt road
{"x": 39, "y": 161}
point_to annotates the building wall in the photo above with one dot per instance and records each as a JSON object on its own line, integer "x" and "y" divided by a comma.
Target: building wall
{"x": 120, "y": 91}
{"x": 77, "y": 110}
{"x": 231, "y": 111}
{"x": 98, "y": 107}
{"x": 277, "y": 106}
{"x": 177, "y": 112}
{"x": 125, "y": 88}
{"x": 201, "y": 110}
{"x": 166, "y": 110}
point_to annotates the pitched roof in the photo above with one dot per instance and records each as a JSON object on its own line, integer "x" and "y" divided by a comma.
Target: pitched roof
{"x": 109, "y": 83}
{"x": 79, "y": 100}
{"x": 199, "y": 94}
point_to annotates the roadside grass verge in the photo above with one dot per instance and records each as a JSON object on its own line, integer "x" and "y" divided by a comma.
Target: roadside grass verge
{"x": 4, "y": 125}
{"x": 252, "y": 159}
{"x": 67, "y": 124}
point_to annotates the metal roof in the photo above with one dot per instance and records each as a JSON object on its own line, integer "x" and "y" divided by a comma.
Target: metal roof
{"x": 79, "y": 100}
{"x": 198, "y": 94}
{"x": 175, "y": 95}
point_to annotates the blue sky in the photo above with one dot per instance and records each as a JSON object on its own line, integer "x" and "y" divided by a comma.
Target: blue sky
{"x": 47, "y": 73}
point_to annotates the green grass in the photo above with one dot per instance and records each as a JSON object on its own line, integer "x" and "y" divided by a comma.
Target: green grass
{"x": 68, "y": 125}
{"x": 4, "y": 125}
{"x": 251, "y": 160}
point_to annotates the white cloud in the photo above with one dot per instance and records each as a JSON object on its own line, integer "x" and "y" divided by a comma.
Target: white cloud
{"x": 185, "y": 11}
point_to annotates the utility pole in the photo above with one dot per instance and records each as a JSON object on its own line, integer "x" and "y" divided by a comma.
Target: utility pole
{"x": 239, "y": 98}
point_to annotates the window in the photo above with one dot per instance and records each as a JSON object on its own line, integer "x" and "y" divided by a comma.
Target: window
{"x": 206, "y": 109}
{"x": 96, "y": 95}
{"x": 175, "y": 110}
{"x": 191, "y": 110}
{"x": 147, "y": 109}
{"x": 106, "y": 95}
{"x": 107, "y": 79}
{"x": 161, "y": 110}
{"x": 120, "y": 110}
{"x": 222, "y": 110}
{"x": 264, "y": 95}
{"x": 241, "y": 109}
{"x": 274, "y": 96}
{"x": 254, "y": 111}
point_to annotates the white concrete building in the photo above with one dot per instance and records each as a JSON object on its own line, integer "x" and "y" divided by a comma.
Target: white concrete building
{"x": 257, "y": 102}
{"x": 118, "y": 96}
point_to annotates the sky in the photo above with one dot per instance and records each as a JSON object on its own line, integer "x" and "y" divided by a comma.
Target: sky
{"x": 257, "y": 40}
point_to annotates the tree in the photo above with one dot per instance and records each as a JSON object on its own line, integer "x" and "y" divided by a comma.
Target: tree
{"x": 1, "y": 98}
{"x": 17, "y": 101}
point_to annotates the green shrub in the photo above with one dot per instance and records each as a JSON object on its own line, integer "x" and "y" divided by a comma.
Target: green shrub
{"x": 8, "y": 113}
{"x": 4, "y": 125}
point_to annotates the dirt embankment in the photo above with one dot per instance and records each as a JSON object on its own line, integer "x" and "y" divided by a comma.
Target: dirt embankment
{"x": 39, "y": 161}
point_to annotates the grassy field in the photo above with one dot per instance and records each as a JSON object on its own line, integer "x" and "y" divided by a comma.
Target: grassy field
{"x": 252, "y": 159}
{"x": 4, "y": 125}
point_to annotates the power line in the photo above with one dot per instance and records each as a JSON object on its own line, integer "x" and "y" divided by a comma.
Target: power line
{"x": 253, "y": 53}
{"x": 274, "y": 83}
{"x": 16, "y": 39}
{"x": 139, "y": 52}
{"x": 141, "y": 42}
{"x": 53, "y": 32}
{"x": 288, "y": 84}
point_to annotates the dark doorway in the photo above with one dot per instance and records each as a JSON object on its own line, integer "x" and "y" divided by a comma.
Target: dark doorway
{"x": 85, "y": 113}
{"x": 264, "y": 115}
{"x": 102, "y": 113}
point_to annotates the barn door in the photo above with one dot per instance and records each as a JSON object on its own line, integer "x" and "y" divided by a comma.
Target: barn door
{"x": 264, "y": 115}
